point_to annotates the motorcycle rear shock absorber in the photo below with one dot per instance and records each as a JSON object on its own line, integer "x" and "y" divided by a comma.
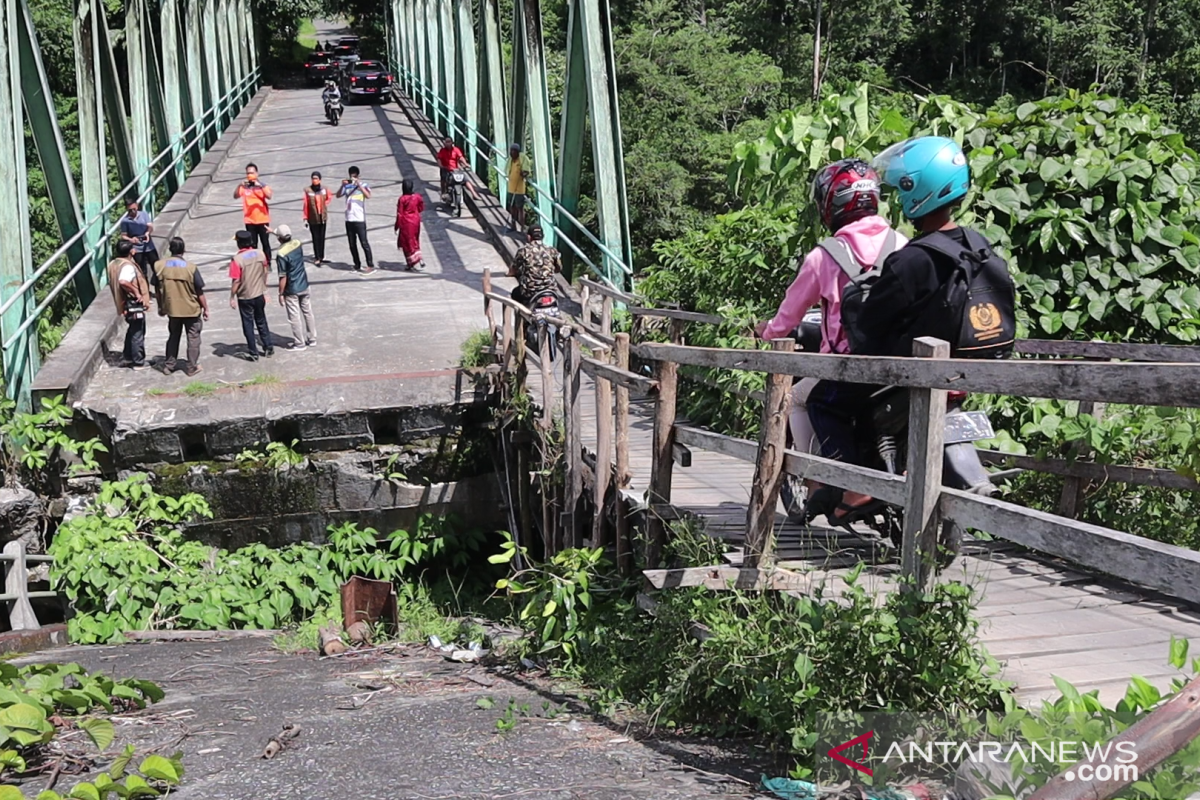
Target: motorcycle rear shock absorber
{"x": 888, "y": 452}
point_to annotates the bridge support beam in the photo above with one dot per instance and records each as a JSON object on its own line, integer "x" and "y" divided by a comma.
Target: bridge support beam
{"x": 493, "y": 113}
{"x": 591, "y": 86}
{"x": 20, "y": 358}
{"x": 466, "y": 89}
{"x": 530, "y": 97}
{"x": 52, "y": 152}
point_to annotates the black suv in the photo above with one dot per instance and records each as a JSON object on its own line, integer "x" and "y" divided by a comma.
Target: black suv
{"x": 319, "y": 67}
{"x": 367, "y": 80}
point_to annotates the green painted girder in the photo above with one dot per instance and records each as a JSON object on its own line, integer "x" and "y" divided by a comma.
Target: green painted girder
{"x": 466, "y": 89}
{"x": 21, "y": 359}
{"x": 139, "y": 95}
{"x": 174, "y": 87}
{"x": 530, "y": 97}
{"x": 433, "y": 61}
{"x": 191, "y": 22}
{"x": 493, "y": 110}
{"x": 209, "y": 57}
{"x": 114, "y": 101}
{"x": 93, "y": 155}
{"x": 448, "y": 54}
{"x": 422, "y": 52}
{"x": 157, "y": 99}
{"x": 52, "y": 152}
{"x": 591, "y": 86}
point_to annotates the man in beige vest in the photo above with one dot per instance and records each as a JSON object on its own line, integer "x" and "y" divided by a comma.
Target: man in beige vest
{"x": 181, "y": 300}
{"x": 248, "y": 271}
{"x": 131, "y": 293}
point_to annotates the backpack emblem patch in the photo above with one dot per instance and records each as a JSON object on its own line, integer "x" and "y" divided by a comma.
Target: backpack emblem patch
{"x": 986, "y": 320}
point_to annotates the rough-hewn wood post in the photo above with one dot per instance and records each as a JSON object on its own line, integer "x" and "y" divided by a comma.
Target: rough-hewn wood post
{"x": 585, "y": 310}
{"x": 768, "y": 470}
{"x": 544, "y": 348}
{"x": 659, "y": 496}
{"x": 572, "y": 443}
{"x": 1073, "y": 488}
{"x": 519, "y": 349}
{"x": 606, "y": 306}
{"x": 624, "y": 559}
{"x": 604, "y": 447}
{"x": 926, "y": 435}
{"x": 506, "y": 338}
{"x": 487, "y": 305}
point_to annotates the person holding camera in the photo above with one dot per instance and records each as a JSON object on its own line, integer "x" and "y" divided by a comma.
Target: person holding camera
{"x": 131, "y": 293}
{"x": 357, "y": 192}
{"x": 136, "y": 227}
{"x": 256, "y": 212}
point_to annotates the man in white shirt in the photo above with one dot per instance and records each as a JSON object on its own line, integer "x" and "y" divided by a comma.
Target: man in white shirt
{"x": 357, "y": 192}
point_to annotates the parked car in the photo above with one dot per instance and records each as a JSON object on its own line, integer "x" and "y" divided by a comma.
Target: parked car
{"x": 367, "y": 80}
{"x": 349, "y": 41}
{"x": 319, "y": 67}
{"x": 344, "y": 57}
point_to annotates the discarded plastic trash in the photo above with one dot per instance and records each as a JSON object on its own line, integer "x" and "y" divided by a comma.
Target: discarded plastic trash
{"x": 791, "y": 789}
{"x": 473, "y": 653}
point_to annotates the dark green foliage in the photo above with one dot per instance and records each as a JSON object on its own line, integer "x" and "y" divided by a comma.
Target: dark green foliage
{"x": 769, "y": 663}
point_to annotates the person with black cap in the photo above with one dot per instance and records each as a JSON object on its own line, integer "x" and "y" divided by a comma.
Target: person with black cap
{"x": 316, "y": 215}
{"x": 248, "y": 271}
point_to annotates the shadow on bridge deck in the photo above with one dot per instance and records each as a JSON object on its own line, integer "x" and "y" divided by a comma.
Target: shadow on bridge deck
{"x": 386, "y": 342}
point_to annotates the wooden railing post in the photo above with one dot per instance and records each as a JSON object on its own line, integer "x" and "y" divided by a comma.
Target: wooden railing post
{"x": 768, "y": 471}
{"x": 506, "y": 338}
{"x": 544, "y": 348}
{"x": 606, "y": 306}
{"x": 522, "y": 366}
{"x": 572, "y": 443}
{"x": 926, "y": 435}
{"x": 487, "y": 305}
{"x": 659, "y": 496}
{"x": 585, "y": 306}
{"x": 624, "y": 562}
{"x": 604, "y": 424}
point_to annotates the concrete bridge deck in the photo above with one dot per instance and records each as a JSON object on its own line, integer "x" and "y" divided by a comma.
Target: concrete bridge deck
{"x": 385, "y": 341}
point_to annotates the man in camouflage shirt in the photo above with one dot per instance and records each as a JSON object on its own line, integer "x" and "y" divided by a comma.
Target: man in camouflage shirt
{"x": 534, "y": 267}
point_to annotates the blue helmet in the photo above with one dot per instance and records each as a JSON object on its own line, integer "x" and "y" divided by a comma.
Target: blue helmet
{"x": 931, "y": 172}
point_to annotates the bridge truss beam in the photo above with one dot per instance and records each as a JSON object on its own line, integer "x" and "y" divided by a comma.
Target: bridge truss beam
{"x": 454, "y": 68}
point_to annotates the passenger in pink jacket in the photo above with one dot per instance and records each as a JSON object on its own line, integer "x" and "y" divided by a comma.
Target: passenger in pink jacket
{"x": 847, "y": 197}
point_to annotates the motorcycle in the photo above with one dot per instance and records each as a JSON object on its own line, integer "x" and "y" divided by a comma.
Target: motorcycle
{"x": 546, "y": 317}
{"x": 882, "y": 437}
{"x": 333, "y": 111}
{"x": 452, "y": 198}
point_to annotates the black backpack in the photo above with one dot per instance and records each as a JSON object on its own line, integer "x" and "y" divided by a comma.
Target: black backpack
{"x": 977, "y": 305}
{"x": 855, "y": 293}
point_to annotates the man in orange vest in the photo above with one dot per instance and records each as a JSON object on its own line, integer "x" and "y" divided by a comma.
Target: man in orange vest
{"x": 248, "y": 272}
{"x": 256, "y": 213}
{"x": 316, "y": 215}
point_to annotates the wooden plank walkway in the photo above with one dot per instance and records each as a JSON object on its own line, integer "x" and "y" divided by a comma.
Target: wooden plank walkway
{"x": 1038, "y": 616}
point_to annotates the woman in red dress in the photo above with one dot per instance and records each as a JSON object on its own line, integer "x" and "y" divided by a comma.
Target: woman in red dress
{"x": 408, "y": 225}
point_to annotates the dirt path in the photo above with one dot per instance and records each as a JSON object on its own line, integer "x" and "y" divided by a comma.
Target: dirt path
{"x": 390, "y": 726}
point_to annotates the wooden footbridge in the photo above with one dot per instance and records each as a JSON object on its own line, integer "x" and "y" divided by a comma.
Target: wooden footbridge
{"x": 1058, "y": 597}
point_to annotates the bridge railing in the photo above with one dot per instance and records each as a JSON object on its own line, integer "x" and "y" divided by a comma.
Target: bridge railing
{"x": 933, "y": 513}
{"x": 461, "y": 129}
{"x": 155, "y": 174}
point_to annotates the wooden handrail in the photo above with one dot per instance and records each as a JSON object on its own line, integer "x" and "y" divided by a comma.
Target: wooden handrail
{"x": 1164, "y": 353}
{"x": 1091, "y": 471}
{"x": 1112, "y": 382}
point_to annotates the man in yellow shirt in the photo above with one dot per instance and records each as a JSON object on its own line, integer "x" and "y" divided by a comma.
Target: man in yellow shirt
{"x": 516, "y": 187}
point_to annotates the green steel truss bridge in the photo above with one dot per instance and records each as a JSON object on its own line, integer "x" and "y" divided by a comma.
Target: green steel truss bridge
{"x": 156, "y": 92}
{"x": 189, "y": 66}
{"x": 452, "y": 62}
